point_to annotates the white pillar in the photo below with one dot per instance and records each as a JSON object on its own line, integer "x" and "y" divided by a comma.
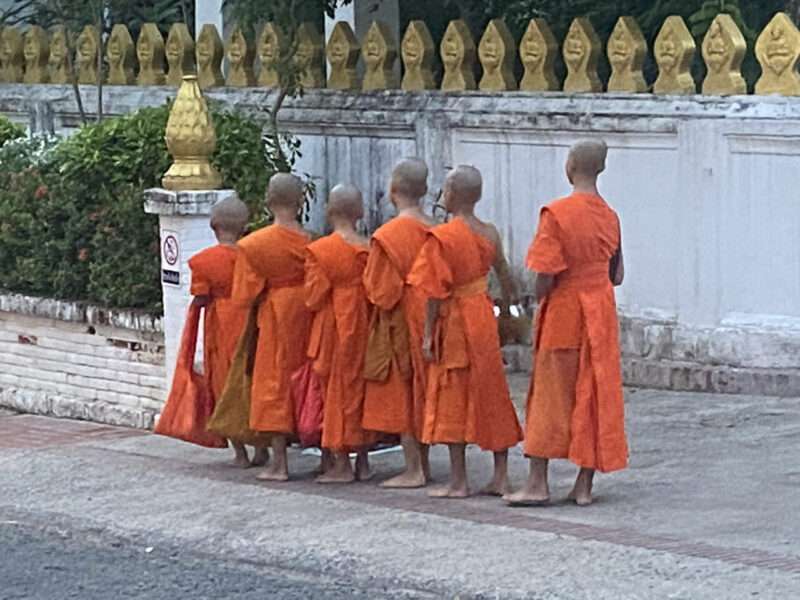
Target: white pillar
{"x": 208, "y": 11}
{"x": 183, "y": 219}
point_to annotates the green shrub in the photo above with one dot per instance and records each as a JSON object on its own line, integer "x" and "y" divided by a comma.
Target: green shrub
{"x": 9, "y": 130}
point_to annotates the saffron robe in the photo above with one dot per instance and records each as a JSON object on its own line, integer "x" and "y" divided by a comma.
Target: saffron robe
{"x": 335, "y": 292}
{"x": 223, "y": 320}
{"x": 575, "y": 403}
{"x": 394, "y": 400}
{"x": 467, "y": 399}
{"x": 271, "y": 265}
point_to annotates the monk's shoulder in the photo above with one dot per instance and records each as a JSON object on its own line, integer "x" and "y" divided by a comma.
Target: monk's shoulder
{"x": 211, "y": 257}
{"x": 257, "y": 239}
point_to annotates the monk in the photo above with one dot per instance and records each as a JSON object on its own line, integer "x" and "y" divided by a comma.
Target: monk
{"x": 575, "y": 408}
{"x": 269, "y": 271}
{"x": 223, "y": 321}
{"x": 335, "y": 293}
{"x": 395, "y": 370}
{"x": 467, "y": 400}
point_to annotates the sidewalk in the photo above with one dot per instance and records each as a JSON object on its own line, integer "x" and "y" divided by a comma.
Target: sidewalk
{"x": 707, "y": 509}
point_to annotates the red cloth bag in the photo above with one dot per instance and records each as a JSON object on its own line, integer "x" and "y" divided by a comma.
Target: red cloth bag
{"x": 307, "y": 397}
{"x": 190, "y": 402}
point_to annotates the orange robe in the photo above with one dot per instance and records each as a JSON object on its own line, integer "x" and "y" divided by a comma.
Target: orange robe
{"x": 271, "y": 261}
{"x": 394, "y": 402}
{"x": 335, "y": 292}
{"x": 468, "y": 399}
{"x": 223, "y": 320}
{"x": 575, "y": 405}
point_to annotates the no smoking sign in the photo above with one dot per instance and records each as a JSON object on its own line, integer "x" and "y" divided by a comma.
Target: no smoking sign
{"x": 170, "y": 258}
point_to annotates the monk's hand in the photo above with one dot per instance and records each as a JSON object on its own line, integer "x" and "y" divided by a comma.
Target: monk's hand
{"x": 427, "y": 347}
{"x": 202, "y": 300}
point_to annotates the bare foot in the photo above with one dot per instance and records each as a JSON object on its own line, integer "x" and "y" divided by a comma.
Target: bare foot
{"x": 526, "y": 498}
{"x": 497, "y": 487}
{"x": 241, "y": 462}
{"x": 364, "y": 473}
{"x": 449, "y": 491}
{"x": 332, "y": 477}
{"x": 405, "y": 480}
{"x": 260, "y": 457}
{"x": 580, "y": 499}
{"x": 272, "y": 474}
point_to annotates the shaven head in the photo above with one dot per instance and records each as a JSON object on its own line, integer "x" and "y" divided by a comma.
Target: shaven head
{"x": 462, "y": 186}
{"x": 229, "y": 216}
{"x": 587, "y": 159}
{"x": 345, "y": 202}
{"x": 410, "y": 178}
{"x": 285, "y": 190}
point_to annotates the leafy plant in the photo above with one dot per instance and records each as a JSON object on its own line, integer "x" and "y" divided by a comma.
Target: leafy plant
{"x": 9, "y": 130}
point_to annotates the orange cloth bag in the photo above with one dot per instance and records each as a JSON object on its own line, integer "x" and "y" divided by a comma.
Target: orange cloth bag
{"x": 307, "y": 397}
{"x": 190, "y": 402}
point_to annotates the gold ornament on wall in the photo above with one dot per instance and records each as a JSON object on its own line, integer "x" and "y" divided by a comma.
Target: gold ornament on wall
{"x": 674, "y": 53}
{"x": 190, "y": 138}
{"x": 457, "y": 51}
{"x": 241, "y": 54}
{"x": 626, "y": 51}
{"x": 209, "y": 57}
{"x": 150, "y": 52}
{"x": 778, "y": 52}
{"x": 342, "y": 52}
{"x": 537, "y": 51}
{"x": 581, "y": 53}
{"x": 310, "y": 56}
{"x": 36, "y": 51}
{"x": 180, "y": 53}
{"x": 496, "y": 52}
{"x": 723, "y": 50}
{"x": 11, "y": 58}
{"x": 268, "y": 49}
{"x": 380, "y": 53}
{"x": 120, "y": 56}
{"x": 417, "y": 50}
{"x": 86, "y": 58}
{"x": 60, "y": 56}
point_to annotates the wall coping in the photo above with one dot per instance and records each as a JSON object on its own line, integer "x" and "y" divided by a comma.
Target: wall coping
{"x": 186, "y": 203}
{"x": 80, "y": 312}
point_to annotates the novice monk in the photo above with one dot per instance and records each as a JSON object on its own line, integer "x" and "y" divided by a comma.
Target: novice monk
{"x": 574, "y": 407}
{"x": 270, "y": 270}
{"x": 395, "y": 369}
{"x": 468, "y": 400}
{"x": 212, "y": 281}
{"x": 335, "y": 292}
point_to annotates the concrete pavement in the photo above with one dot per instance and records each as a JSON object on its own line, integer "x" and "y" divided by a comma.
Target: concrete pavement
{"x": 707, "y": 509}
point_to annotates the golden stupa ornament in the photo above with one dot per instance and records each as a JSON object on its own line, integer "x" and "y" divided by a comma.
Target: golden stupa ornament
{"x": 496, "y": 52}
{"x": 190, "y": 138}
{"x": 458, "y": 57}
{"x": 150, "y": 52}
{"x": 310, "y": 56}
{"x": 268, "y": 48}
{"x": 241, "y": 54}
{"x": 120, "y": 56}
{"x": 180, "y": 53}
{"x": 60, "y": 56}
{"x": 581, "y": 52}
{"x": 417, "y": 51}
{"x": 11, "y": 58}
{"x": 343, "y": 51}
{"x": 36, "y": 51}
{"x": 674, "y": 52}
{"x": 626, "y": 51}
{"x": 379, "y": 50}
{"x": 209, "y": 57}
{"x": 778, "y": 52}
{"x": 723, "y": 50}
{"x": 537, "y": 51}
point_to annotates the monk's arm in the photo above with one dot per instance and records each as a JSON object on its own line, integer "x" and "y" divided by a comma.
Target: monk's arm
{"x": 508, "y": 289}
{"x": 431, "y": 313}
{"x": 619, "y": 272}
{"x": 543, "y": 285}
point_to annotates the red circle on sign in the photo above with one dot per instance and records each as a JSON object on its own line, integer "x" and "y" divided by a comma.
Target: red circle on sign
{"x": 170, "y": 250}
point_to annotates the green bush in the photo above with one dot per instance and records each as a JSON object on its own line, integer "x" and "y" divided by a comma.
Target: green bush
{"x": 73, "y": 226}
{"x": 9, "y": 130}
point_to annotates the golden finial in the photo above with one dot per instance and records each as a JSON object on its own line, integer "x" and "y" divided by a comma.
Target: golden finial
{"x": 190, "y": 140}
{"x": 723, "y": 50}
{"x": 119, "y": 55}
{"x": 537, "y": 50}
{"x": 268, "y": 48}
{"x": 496, "y": 53}
{"x": 310, "y": 56}
{"x": 417, "y": 50}
{"x": 581, "y": 52}
{"x": 626, "y": 51}
{"x": 150, "y": 52}
{"x": 241, "y": 55}
{"x": 674, "y": 52}
{"x": 458, "y": 56}
{"x": 180, "y": 53}
{"x": 380, "y": 52}
{"x": 209, "y": 57}
{"x": 36, "y": 50}
{"x": 342, "y": 51}
{"x": 11, "y": 57}
{"x": 778, "y": 51}
{"x": 60, "y": 56}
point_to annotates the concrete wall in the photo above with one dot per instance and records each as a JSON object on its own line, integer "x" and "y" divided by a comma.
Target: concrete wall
{"x": 705, "y": 187}
{"x": 69, "y": 360}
